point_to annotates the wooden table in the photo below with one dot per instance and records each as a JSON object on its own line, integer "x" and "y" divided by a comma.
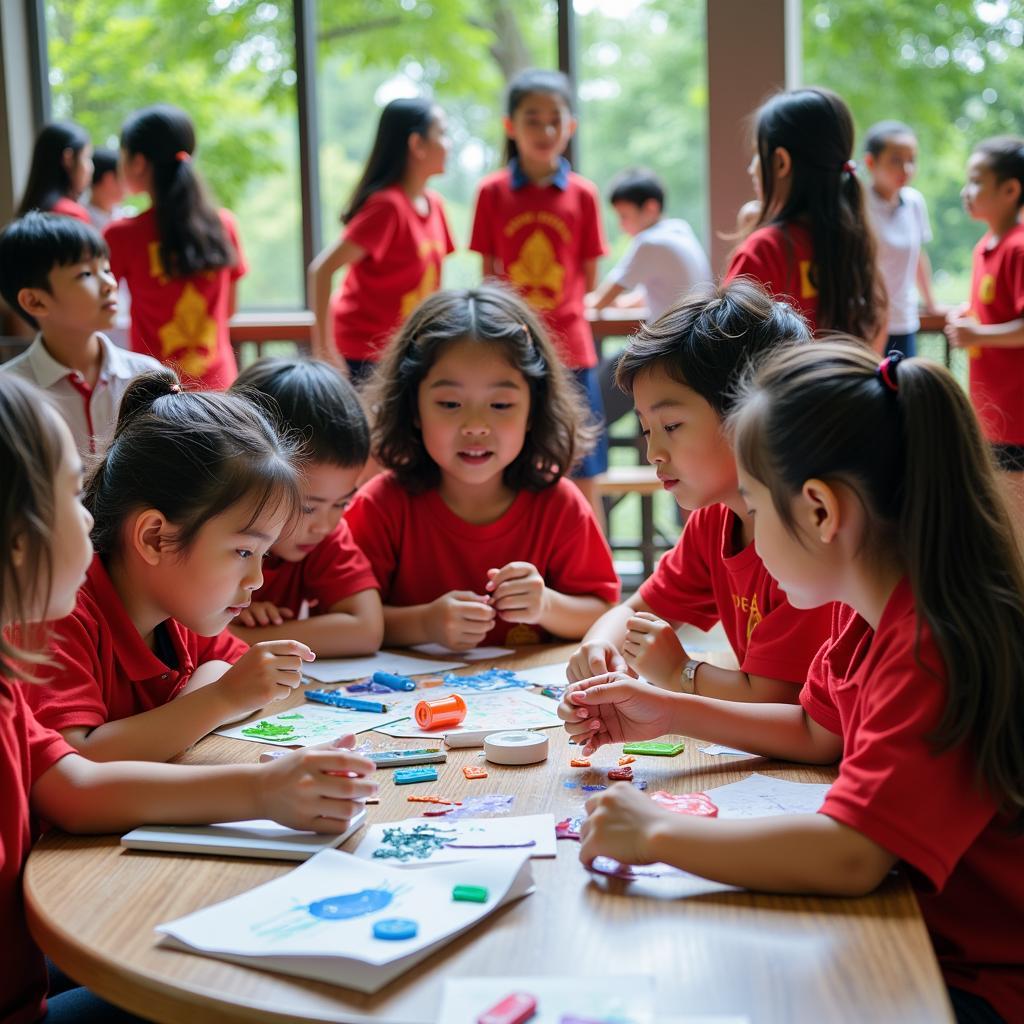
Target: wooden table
{"x": 92, "y": 907}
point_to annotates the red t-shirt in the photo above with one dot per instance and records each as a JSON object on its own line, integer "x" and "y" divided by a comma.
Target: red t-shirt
{"x": 420, "y": 549}
{"x": 781, "y": 259}
{"x": 997, "y": 374}
{"x": 884, "y": 693}
{"x": 541, "y": 238}
{"x": 704, "y": 580}
{"x": 182, "y": 321}
{"x": 104, "y": 670}
{"x": 27, "y": 751}
{"x": 67, "y": 207}
{"x": 402, "y": 266}
{"x": 333, "y": 570}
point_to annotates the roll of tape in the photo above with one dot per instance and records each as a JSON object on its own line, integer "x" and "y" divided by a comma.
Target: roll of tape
{"x": 517, "y": 747}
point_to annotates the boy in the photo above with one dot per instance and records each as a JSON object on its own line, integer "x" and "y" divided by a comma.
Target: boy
{"x": 665, "y": 259}
{"x": 107, "y": 189}
{"x": 55, "y": 273}
{"x": 899, "y": 217}
{"x": 317, "y": 564}
{"x": 682, "y": 371}
{"x": 991, "y": 327}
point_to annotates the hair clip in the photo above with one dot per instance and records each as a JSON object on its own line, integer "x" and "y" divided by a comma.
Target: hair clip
{"x": 887, "y": 370}
{"x": 174, "y": 389}
{"x": 182, "y": 157}
{"x": 850, "y": 166}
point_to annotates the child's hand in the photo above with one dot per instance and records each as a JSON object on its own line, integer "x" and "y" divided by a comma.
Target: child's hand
{"x": 653, "y": 650}
{"x": 594, "y": 658}
{"x": 263, "y": 613}
{"x": 267, "y": 672}
{"x": 620, "y": 823}
{"x": 318, "y": 789}
{"x": 615, "y": 708}
{"x": 517, "y": 592}
{"x": 460, "y": 619}
{"x": 961, "y": 332}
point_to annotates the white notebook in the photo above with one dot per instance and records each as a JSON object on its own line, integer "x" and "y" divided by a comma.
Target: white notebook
{"x": 263, "y": 839}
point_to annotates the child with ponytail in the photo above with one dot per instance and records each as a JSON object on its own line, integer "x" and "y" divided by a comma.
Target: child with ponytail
{"x": 871, "y": 485}
{"x": 181, "y": 258}
{"x": 61, "y": 171}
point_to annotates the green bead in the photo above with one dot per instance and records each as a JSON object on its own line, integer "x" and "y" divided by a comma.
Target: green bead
{"x": 470, "y": 893}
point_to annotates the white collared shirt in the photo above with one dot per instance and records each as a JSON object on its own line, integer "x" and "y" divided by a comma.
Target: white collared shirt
{"x": 91, "y": 414}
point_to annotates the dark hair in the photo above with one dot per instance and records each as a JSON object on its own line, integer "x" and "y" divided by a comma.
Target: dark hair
{"x": 312, "y": 398}
{"x": 48, "y": 178}
{"x": 192, "y": 236}
{"x": 881, "y": 134}
{"x": 815, "y": 127}
{"x": 104, "y": 161}
{"x": 636, "y": 186}
{"x": 190, "y": 454}
{"x": 389, "y": 156}
{"x": 30, "y": 456}
{"x": 559, "y": 432}
{"x": 919, "y": 465}
{"x": 36, "y": 243}
{"x": 708, "y": 340}
{"x": 528, "y": 83}
{"x": 1004, "y": 156}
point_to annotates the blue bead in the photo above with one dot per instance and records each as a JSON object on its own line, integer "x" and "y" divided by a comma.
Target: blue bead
{"x": 395, "y": 929}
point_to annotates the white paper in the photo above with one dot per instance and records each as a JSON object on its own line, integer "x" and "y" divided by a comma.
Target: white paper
{"x": 345, "y": 670}
{"x": 317, "y": 921}
{"x": 476, "y": 654}
{"x": 494, "y": 712}
{"x": 720, "y": 750}
{"x": 477, "y": 838}
{"x": 310, "y": 724}
{"x": 628, "y": 999}
{"x": 546, "y": 675}
{"x": 260, "y": 838}
{"x": 759, "y": 796}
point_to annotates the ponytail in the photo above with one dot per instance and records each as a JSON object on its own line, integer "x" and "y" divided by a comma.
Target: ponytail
{"x": 904, "y": 437}
{"x": 192, "y": 236}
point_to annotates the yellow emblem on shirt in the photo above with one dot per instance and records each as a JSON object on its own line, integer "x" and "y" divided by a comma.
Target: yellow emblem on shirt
{"x": 190, "y": 339}
{"x": 537, "y": 273}
{"x": 987, "y": 289}
{"x": 521, "y": 634}
{"x": 807, "y": 289}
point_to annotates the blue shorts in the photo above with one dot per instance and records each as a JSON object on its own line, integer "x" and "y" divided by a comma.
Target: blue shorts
{"x": 588, "y": 380}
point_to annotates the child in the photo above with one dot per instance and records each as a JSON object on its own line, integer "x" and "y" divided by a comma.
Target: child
{"x": 317, "y": 562}
{"x": 46, "y": 552}
{"x": 899, "y": 217}
{"x": 60, "y": 172}
{"x": 187, "y": 499}
{"x": 682, "y": 371}
{"x": 395, "y": 239}
{"x": 664, "y": 259}
{"x": 474, "y": 536}
{"x": 812, "y": 244}
{"x": 537, "y": 225}
{"x": 872, "y": 487}
{"x": 181, "y": 258}
{"x": 992, "y": 327}
{"x": 107, "y": 190}
{"x": 55, "y": 272}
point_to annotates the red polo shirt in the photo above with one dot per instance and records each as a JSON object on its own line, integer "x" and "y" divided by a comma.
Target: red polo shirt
{"x": 67, "y": 207}
{"x": 104, "y": 670}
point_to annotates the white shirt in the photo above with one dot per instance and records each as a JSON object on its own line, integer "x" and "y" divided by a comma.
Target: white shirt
{"x": 666, "y": 260}
{"x": 901, "y": 228}
{"x": 91, "y": 415}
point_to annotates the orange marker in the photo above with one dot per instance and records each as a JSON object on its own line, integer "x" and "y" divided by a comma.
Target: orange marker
{"x": 440, "y": 713}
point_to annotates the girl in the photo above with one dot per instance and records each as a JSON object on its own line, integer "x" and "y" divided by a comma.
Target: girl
{"x": 474, "y": 535}
{"x": 188, "y": 498}
{"x": 395, "y": 238}
{"x": 811, "y": 243}
{"x": 44, "y": 532}
{"x": 61, "y": 171}
{"x": 181, "y": 258}
{"x": 870, "y": 485}
{"x": 538, "y": 225}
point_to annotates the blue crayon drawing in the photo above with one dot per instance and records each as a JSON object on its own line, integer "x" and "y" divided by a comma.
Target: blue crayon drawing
{"x": 343, "y": 907}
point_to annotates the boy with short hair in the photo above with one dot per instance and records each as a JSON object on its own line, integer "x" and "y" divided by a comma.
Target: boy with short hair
{"x": 107, "y": 191}
{"x": 899, "y": 216}
{"x": 55, "y": 273}
{"x": 317, "y": 565}
{"x": 665, "y": 259}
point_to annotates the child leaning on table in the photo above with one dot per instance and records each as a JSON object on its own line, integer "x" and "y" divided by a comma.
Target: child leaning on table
{"x": 45, "y": 553}
{"x": 870, "y": 485}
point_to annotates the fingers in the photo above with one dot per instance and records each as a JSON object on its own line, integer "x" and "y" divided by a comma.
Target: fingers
{"x": 469, "y": 595}
{"x": 284, "y": 648}
{"x": 328, "y": 760}
{"x": 512, "y": 571}
{"x": 245, "y": 618}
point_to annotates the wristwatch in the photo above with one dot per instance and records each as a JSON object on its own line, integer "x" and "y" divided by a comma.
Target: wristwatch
{"x": 690, "y": 675}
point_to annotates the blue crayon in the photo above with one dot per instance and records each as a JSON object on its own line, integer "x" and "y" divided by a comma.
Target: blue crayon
{"x": 348, "y": 703}
{"x": 393, "y": 682}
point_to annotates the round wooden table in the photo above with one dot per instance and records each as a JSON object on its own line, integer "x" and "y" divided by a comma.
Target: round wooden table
{"x": 92, "y": 906}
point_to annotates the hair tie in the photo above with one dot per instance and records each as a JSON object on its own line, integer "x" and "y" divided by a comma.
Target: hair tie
{"x": 182, "y": 157}
{"x": 887, "y": 370}
{"x": 174, "y": 389}
{"x": 850, "y": 166}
